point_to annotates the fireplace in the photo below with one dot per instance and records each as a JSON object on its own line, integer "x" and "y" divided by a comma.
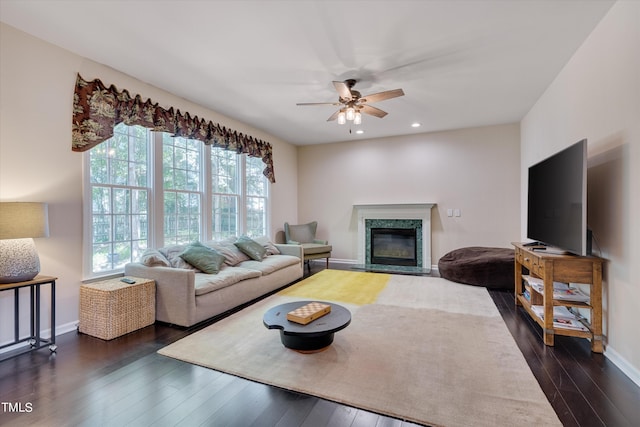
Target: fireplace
{"x": 393, "y": 242}
{"x": 394, "y": 246}
{"x": 403, "y": 219}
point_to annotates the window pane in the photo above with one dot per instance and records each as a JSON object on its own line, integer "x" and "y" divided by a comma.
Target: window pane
{"x": 121, "y": 228}
{"x": 121, "y": 200}
{"x": 256, "y": 217}
{"x": 101, "y": 200}
{"x": 225, "y": 197}
{"x": 137, "y": 248}
{"x": 180, "y": 165}
{"x": 101, "y": 228}
{"x": 256, "y": 181}
{"x": 140, "y": 201}
{"x": 98, "y": 164}
{"x": 139, "y": 175}
{"x": 256, "y": 197}
{"x": 139, "y": 227}
{"x": 118, "y": 171}
{"x": 121, "y": 254}
{"x": 181, "y": 159}
{"x": 224, "y": 221}
{"x": 140, "y": 150}
{"x": 101, "y": 259}
{"x": 119, "y": 144}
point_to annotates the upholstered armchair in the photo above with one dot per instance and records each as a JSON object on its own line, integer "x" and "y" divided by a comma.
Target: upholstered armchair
{"x": 305, "y": 235}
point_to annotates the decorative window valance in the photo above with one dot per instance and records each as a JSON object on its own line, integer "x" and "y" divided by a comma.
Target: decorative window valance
{"x": 97, "y": 109}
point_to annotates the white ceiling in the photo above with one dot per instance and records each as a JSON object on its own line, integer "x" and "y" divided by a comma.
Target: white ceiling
{"x": 460, "y": 63}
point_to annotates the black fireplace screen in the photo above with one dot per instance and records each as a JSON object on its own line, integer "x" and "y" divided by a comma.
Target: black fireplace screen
{"x": 394, "y": 246}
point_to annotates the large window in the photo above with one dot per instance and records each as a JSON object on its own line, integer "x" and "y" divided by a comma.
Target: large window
{"x": 149, "y": 189}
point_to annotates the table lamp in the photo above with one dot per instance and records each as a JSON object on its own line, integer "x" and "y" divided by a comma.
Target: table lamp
{"x": 20, "y": 222}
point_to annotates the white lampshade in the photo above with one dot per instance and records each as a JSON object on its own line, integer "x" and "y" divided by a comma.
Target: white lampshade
{"x": 341, "y": 118}
{"x": 358, "y": 118}
{"x": 351, "y": 113}
{"x": 19, "y": 223}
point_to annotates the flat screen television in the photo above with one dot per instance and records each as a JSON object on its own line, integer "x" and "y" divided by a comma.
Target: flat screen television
{"x": 557, "y": 201}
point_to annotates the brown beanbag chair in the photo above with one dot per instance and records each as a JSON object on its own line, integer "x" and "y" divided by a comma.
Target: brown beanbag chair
{"x": 479, "y": 266}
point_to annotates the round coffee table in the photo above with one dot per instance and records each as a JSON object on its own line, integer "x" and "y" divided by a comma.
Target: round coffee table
{"x": 312, "y": 337}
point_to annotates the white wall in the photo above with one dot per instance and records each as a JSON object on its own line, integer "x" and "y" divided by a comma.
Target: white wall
{"x": 475, "y": 170}
{"x": 597, "y": 96}
{"x": 36, "y": 162}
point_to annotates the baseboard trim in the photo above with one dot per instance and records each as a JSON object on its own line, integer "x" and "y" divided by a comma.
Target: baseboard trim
{"x": 629, "y": 370}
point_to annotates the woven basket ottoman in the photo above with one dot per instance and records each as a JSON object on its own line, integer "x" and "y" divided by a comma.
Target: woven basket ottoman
{"x": 112, "y": 308}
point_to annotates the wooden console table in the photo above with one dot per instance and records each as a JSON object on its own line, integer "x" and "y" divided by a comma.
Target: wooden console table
{"x": 35, "y": 339}
{"x": 560, "y": 268}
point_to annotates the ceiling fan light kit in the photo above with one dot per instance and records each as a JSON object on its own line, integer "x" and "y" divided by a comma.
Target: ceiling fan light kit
{"x": 353, "y": 104}
{"x": 351, "y": 114}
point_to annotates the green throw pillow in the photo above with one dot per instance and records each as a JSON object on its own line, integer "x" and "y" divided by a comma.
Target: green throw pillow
{"x": 253, "y": 249}
{"x": 203, "y": 258}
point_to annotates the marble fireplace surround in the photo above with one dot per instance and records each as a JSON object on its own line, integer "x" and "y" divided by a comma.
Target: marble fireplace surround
{"x": 404, "y": 211}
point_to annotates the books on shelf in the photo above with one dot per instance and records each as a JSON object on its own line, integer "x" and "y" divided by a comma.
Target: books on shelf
{"x": 562, "y": 317}
{"x": 561, "y": 291}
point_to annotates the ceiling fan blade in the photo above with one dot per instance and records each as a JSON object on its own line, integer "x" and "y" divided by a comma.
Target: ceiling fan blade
{"x": 373, "y": 111}
{"x": 381, "y": 96}
{"x": 333, "y": 116}
{"x": 318, "y": 103}
{"x": 343, "y": 90}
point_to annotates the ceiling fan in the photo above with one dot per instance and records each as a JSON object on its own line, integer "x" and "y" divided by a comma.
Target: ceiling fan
{"x": 352, "y": 103}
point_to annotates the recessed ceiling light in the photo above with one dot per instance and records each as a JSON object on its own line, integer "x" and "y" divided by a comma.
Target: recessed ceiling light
{"x": 415, "y": 125}
{"x": 359, "y": 131}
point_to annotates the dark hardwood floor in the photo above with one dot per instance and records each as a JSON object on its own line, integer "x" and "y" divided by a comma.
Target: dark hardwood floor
{"x": 91, "y": 382}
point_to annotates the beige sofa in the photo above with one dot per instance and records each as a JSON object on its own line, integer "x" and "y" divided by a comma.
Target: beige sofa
{"x": 186, "y": 296}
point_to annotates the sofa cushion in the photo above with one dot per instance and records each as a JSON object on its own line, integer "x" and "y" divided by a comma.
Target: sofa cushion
{"x": 270, "y": 264}
{"x": 315, "y": 248}
{"x": 227, "y": 276}
{"x": 232, "y": 254}
{"x": 153, "y": 258}
{"x": 203, "y": 258}
{"x": 253, "y": 249}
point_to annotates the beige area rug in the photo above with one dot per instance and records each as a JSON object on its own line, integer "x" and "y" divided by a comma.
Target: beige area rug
{"x": 421, "y": 349}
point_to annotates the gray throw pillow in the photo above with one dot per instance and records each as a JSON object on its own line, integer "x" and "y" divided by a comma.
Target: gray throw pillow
{"x": 250, "y": 247}
{"x": 203, "y": 258}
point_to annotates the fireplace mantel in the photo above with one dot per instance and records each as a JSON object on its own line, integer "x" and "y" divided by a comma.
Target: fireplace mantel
{"x": 420, "y": 211}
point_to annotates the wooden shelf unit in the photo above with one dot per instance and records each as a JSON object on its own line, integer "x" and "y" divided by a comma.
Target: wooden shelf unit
{"x": 560, "y": 268}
